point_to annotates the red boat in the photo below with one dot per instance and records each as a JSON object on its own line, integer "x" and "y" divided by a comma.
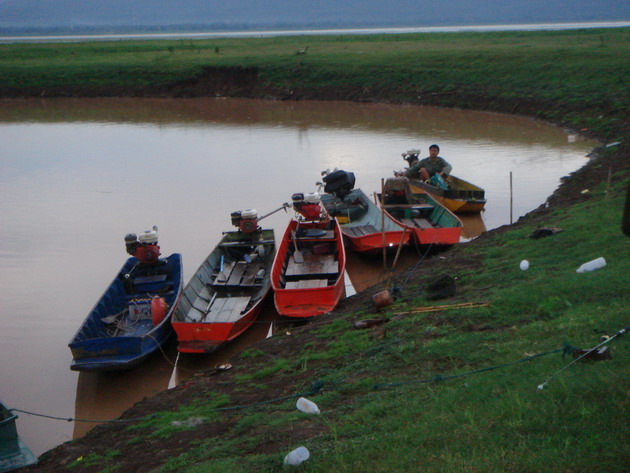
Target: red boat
{"x": 363, "y": 225}
{"x": 308, "y": 272}
{"x": 430, "y": 222}
{"x": 224, "y": 297}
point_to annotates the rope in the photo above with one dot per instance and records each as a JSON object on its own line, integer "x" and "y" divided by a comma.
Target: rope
{"x": 316, "y": 387}
{"x": 438, "y": 378}
{"x": 620, "y": 332}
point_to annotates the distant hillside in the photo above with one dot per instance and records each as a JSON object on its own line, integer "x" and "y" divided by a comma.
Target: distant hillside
{"x": 101, "y": 15}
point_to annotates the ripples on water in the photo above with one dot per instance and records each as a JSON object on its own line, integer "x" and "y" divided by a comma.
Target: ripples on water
{"x": 77, "y": 175}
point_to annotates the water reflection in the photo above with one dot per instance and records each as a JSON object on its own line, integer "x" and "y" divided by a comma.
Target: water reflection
{"x": 77, "y": 175}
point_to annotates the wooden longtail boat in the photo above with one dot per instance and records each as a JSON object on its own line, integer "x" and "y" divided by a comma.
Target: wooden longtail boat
{"x": 313, "y": 283}
{"x": 132, "y": 319}
{"x": 460, "y": 197}
{"x": 14, "y": 453}
{"x": 430, "y": 222}
{"x": 224, "y": 297}
{"x": 362, "y": 224}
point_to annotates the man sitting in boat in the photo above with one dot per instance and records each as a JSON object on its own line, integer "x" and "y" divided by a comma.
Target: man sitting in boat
{"x": 427, "y": 167}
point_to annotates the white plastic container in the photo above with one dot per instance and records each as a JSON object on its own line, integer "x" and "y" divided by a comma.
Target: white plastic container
{"x": 524, "y": 265}
{"x": 309, "y": 407}
{"x": 297, "y": 456}
{"x": 597, "y": 263}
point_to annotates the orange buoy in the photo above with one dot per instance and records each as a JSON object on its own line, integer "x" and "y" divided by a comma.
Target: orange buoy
{"x": 158, "y": 309}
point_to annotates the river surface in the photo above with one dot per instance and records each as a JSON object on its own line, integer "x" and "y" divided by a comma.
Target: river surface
{"x": 336, "y": 31}
{"x": 76, "y": 175}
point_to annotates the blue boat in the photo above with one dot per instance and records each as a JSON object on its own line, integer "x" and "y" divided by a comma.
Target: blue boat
{"x": 14, "y": 453}
{"x": 133, "y": 317}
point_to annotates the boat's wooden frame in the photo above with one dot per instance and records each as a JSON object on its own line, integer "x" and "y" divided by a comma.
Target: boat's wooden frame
{"x": 225, "y": 295}
{"x": 461, "y": 196}
{"x": 315, "y": 285}
{"x": 362, "y": 223}
{"x": 430, "y": 222}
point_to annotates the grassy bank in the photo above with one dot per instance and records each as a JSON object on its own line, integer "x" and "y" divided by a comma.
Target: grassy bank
{"x": 449, "y": 390}
{"x": 576, "y": 77}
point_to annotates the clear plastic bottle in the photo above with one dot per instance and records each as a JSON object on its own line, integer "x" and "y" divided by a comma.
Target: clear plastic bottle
{"x": 297, "y": 456}
{"x": 597, "y": 263}
{"x": 304, "y": 405}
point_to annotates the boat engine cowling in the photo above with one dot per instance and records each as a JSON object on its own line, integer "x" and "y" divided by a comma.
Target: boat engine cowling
{"x": 339, "y": 183}
{"x": 308, "y": 205}
{"x": 145, "y": 247}
{"x": 245, "y": 220}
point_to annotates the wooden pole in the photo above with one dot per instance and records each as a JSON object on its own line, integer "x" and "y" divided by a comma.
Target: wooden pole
{"x": 608, "y": 182}
{"x": 402, "y": 238}
{"x": 383, "y": 222}
{"x": 511, "y": 199}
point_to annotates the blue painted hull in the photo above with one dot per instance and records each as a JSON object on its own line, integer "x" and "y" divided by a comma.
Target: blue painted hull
{"x": 14, "y": 453}
{"x": 111, "y": 338}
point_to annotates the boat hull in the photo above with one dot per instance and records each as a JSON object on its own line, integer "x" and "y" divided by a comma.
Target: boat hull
{"x": 200, "y": 324}
{"x": 127, "y": 340}
{"x": 363, "y": 227}
{"x": 303, "y": 294}
{"x": 461, "y": 197}
{"x": 14, "y": 453}
{"x": 426, "y": 219}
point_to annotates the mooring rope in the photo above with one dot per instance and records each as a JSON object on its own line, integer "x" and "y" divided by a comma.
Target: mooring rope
{"x": 620, "y": 332}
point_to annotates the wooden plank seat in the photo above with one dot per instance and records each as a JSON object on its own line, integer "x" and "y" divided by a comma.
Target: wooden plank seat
{"x": 359, "y": 230}
{"x": 306, "y": 284}
{"x": 218, "y": 310}
{"x": 422, "y": 223}
{"x": 239, "y": 273}
{"x": 322, "y": 266}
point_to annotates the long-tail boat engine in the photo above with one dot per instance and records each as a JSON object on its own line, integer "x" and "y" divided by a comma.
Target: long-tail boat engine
{"x": 308, "y": 205}
{"x": 245, "y": 220}
{"x": 145, "y": 247}
{"x": 339, "y": 183}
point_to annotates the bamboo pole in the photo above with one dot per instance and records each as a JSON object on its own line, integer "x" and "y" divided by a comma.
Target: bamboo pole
{"x": 511, "y": 199}
{"x": 383, "y": 222}
{"x": 436, "y": 308}
{"x": 400, "y": 244}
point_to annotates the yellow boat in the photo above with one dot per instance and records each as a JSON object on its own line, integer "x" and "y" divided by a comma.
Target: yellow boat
{"x": 460, "y": 197}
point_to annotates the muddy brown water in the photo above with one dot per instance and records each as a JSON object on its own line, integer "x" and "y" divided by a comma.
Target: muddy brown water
{"x": 76, "y": 175}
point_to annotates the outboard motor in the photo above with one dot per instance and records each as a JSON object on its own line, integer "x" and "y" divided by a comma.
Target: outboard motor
{"x": 412, "y": 156}
{"x": 245, "y": 220}
{"x": 308, "y": 205}
{"x": 339, "y": 183}
{"x": 145, "y": 248}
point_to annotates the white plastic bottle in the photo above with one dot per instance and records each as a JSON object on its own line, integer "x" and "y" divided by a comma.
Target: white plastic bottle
{"x": 307, "y": 406}
{"x": 297, "y": 456}
{"x": 597, "y": 263}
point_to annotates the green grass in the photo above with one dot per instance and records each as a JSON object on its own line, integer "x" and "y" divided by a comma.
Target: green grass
{"x": 576, "y": 76}
{"x": 378, "y": 414}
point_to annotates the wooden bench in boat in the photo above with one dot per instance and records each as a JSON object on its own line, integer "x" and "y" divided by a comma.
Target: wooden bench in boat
{"x": 238, "y": 273}
{"x": 306, "y": 284}
{"x": 324, "y": 265}
{"x": 218, "y": 310}
{"x": 422, "y": 223}
{"x": 359, "y": 230}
